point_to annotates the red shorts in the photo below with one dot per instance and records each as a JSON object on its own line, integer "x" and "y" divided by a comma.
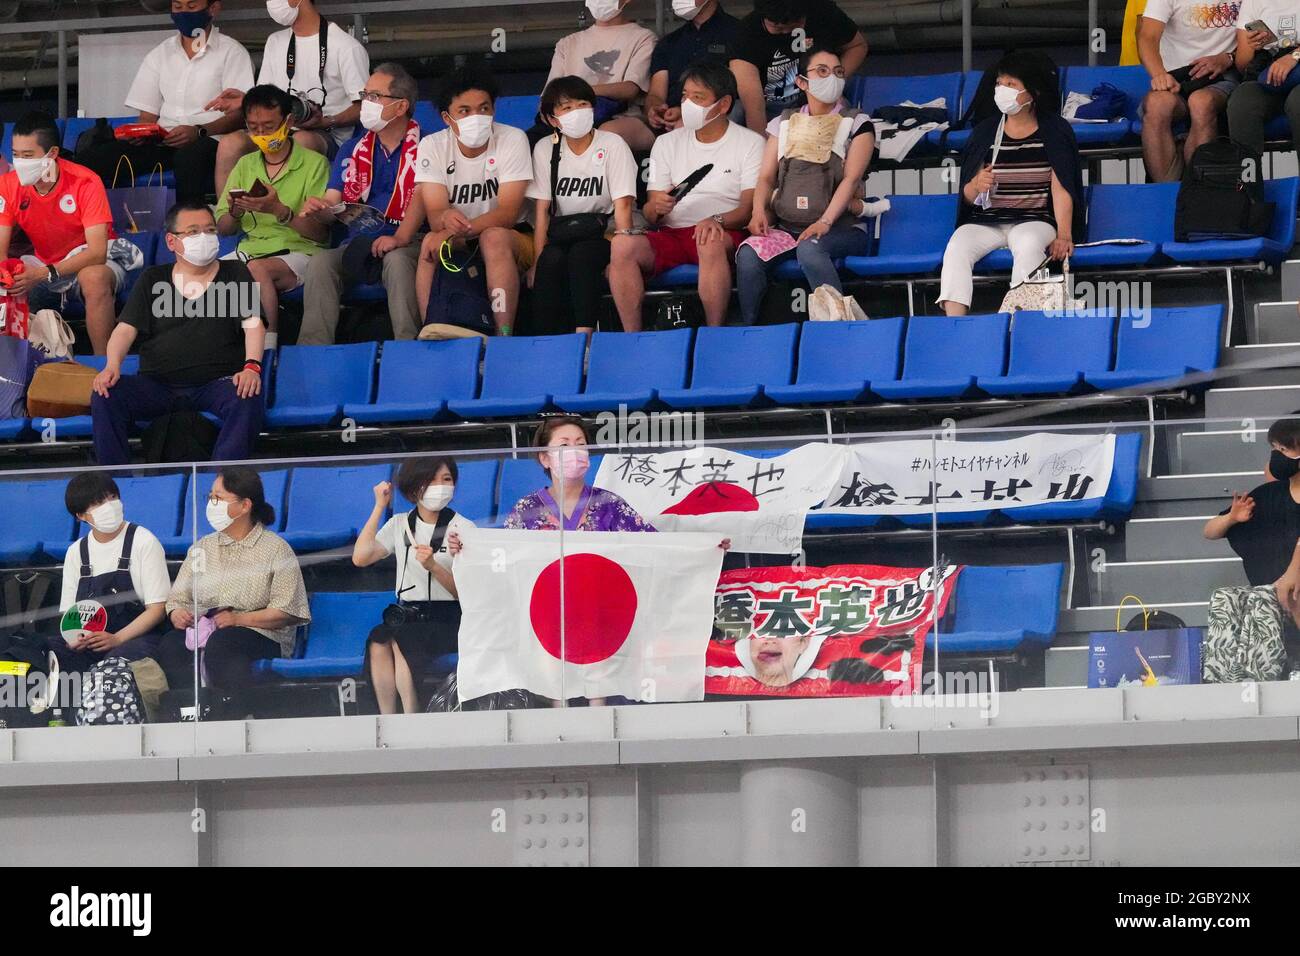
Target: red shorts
{"x": 677, "y": 247}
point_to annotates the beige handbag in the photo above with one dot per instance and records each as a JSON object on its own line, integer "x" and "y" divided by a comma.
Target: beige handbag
{"x": 1043, "y": 292}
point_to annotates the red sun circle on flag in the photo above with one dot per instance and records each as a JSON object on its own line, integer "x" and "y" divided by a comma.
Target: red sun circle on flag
{"x": 599, "y": 607}
{"x": 714, "y": 497}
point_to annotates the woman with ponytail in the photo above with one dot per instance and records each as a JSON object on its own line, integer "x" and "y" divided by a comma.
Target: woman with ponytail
{"x": 245, "y": 580}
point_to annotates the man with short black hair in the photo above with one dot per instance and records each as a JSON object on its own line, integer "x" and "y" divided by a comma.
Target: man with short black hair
{"x": 705, "y": 225}
{"x": 120, "y": 565}
{"x": 200, "y": 343}
{"x": 473, "y": 177}
{"x": 264, "y": 200}
{"x": 708, "y": 31}
{"x": 377, "y": 168}
{"x": 173, "y": 88}
{"x": 768, "y": 48}
{"x": 63, "y": 209}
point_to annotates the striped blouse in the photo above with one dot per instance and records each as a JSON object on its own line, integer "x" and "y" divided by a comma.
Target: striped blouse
{"x": 1024, "y": 184}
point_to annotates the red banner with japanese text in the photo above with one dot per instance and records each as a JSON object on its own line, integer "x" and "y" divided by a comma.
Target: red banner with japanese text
{"x": 848, "y": 630}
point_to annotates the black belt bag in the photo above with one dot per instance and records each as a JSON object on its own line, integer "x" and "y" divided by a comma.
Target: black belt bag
{"x": 579, "y": 227}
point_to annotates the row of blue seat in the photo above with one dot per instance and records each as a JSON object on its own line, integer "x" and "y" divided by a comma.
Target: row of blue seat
{"x": 913, "y": 235}
{"x": 925, "y": 357}
{"x": 995, "y": 609}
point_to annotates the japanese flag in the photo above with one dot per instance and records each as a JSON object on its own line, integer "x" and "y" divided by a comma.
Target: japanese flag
{"x": 637, "y": 613}
{"x": 757, "y": 502}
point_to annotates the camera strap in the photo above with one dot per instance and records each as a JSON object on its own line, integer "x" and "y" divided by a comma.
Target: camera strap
{"x": 439, "y": 533}
{"x": 291, "y": 54}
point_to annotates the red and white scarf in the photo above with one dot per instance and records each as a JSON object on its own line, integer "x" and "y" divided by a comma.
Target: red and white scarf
{"x": 358, "y": 173}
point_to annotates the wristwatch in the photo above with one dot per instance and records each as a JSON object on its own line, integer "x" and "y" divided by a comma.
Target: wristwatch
{"x": 718, "y": 219}
{"x": 53, "y": 273}
{"x": 1295, "y": 55}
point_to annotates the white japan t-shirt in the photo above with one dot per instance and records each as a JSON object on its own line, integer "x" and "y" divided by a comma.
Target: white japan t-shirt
{"x": 736, "y": 159}
{"x": 1193, "y": 29}
{"x": 472, "y": 183}
{"x": 605, "y": 171}
{"x": 417, "y": 584}
{"x": 149, "y": 577}
{"x": 347, "y": 68}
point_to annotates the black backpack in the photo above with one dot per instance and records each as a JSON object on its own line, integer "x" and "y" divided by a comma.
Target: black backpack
{"x": 459, "y": 297}
{"x": 97, "y": 135}
{"x": 1221, "y": 195}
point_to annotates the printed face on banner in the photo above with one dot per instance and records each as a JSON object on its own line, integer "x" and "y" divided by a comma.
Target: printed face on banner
{"x": 842, "y": 631}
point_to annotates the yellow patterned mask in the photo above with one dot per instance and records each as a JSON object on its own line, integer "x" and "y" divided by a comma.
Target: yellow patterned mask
{"x": 272, "y": 142}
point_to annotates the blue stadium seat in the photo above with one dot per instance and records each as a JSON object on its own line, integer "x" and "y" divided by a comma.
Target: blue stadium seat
{"x": 11, "y": 428}
{"x": 273, "y": 487}
{"x": 416, "y": 379}
{"x": 945, "y": 354}
{"x": 1165, "y": 344}
{"x": 1272, "y": 248}
{"x": 999, "y": 608}
{"x": 913, "y": 235}
{"x": 326, "y": 506}
{"x": 871, "y": 92}
{"x": 336, "y": 636}
{"x": 1115, "y": 504}
{"x": 524, "y": 475}
{"x": 426, "y": 114}
{"x": 519, "y": 111}
{"x": 73, "y": 127}
{"x": 732, "y": 365}
{"x": 838, "y": 360}
{"x": 7, "y": 141}
{"x": 1133, "y": 81}
{"x": 1052, "y": 353}
{"x": 1140, "y": 211}
{"x": 476, "y": 488}
{"x": 41, "y": 522}
{"x": 153, "y": 501}
{"x": 629, "y": 369}
{"x": 675, "y": 278}
{"x": 955, "y": 139}
{"x": 314, "y": 382}
{"x": 520, "y": 374}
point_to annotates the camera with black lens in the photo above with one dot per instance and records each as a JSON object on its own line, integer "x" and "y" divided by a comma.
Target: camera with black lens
{"x": 302, "y": 107}
{"x": 395, "y": 615}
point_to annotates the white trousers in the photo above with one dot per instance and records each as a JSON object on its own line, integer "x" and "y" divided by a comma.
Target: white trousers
{"x": 1028, "y": 242}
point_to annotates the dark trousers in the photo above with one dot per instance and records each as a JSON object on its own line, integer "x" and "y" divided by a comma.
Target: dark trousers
{"x": 133, "y": 650}
{"x": 228, "y": 658}
{"x": 1252, "y": 105}
{"x": 194, "y": 165}
{"x": 568, "y": 286}
{"x": 141, "y": 398}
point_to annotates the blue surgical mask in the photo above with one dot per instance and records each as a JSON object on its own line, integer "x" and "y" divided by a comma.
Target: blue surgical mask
{"x": 193, "y": 22}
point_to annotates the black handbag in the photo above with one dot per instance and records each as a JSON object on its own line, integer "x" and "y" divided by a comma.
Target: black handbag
{"x": 580, "y": 227}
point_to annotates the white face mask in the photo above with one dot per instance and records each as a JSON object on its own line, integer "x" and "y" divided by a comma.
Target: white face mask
{"x": 281, "y": 12}
{"x": 695, "y": 116}
{"x": 578, "y": 123}
{"x": 826, "y": 89}
{"x": 1008, "y": 100}
{"x": 106, "y": 518}
{"x": 372, "y": 116}
{"x": 474, "y": 131}
{"x": 687, "y": 9}
{"x": 200, "y": 250}
{"x": 437, "y": 497}
{"x": 604, "y": 9}
{"x": 31, "y": 171}
{"x": 219, "y": 515}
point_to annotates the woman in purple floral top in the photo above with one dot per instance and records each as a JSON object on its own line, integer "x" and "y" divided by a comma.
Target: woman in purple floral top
{"x": 585, "y": 508}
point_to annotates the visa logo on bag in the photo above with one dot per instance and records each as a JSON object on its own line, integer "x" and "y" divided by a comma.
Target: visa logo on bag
{"x": 1145, "y": 658}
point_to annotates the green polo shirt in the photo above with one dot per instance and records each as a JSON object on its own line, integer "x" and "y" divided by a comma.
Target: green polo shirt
{"x": 305, "y": 174}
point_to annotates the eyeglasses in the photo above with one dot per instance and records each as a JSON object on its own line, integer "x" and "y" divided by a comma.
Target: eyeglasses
{"x": 209, "y": 231}
{"x": 372, "y": 96}
{"x": 824, "y": 71}
{"x": 215, "y": 498}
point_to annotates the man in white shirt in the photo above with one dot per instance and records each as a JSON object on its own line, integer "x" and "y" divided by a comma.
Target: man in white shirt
{"x": 1187, "y": 47}
{"x": 120, "y": 565}
{"x": 704, "y": 224}
{"x": 471, "y": 179}
{"x": 174, "y": 88}
{"x": 319, "y": 63}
